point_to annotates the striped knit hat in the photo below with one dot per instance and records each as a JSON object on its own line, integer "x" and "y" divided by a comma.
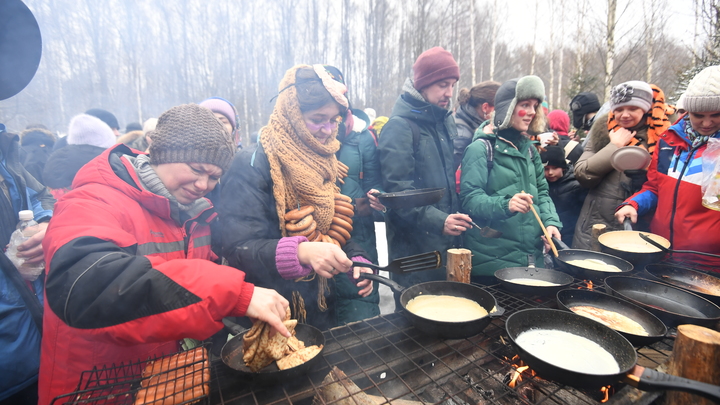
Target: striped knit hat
{"x": 189, "y": 133}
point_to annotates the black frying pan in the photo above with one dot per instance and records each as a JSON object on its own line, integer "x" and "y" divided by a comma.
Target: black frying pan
{"x": 620, "y": 349}
{"x": 508, "y": 276}
{"x": 448, "y": 330}
{"x": 702, "y": 284}
{"x": 567, "y": 254}
{"x": 411, "y": 198}
{"x": 232, "y": 355}
{"x": 655, "y": 328}
{"x": 674, "y": 306}
{"x": 630, "y": 246}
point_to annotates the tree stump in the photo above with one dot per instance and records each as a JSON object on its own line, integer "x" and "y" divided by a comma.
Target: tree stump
{"x": 597, "y": 230}
{"x": 459, "y": 265}
{"x": 696, "y": 355}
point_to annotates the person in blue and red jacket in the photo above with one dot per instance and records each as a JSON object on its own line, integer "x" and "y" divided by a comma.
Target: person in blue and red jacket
{"x": 130, "y": 266}
{"x": 674, "y": 175}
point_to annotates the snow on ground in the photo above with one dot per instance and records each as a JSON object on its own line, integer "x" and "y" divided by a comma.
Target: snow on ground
{"x": 387, "y": 303}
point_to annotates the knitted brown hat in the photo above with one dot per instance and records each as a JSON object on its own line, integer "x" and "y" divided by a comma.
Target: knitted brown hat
{"x": 189, "y": 133}
{"x": 434, "y": 65}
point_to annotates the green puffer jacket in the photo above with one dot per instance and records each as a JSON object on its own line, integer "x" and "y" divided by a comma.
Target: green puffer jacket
{"x": 359, "y": 152}
{"x": 485, "y": 197}
{"x": 408, "y": 165}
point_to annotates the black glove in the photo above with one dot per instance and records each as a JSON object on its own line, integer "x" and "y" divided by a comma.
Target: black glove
{"x": 637, "y": 179}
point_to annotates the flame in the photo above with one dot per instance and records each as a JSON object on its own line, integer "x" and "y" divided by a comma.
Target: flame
{"x": 588, "y": 285}
{"x": 606, "y": 392}
{"x": 516, "y": 376}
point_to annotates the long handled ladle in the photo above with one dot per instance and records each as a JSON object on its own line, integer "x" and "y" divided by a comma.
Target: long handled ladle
{"x": 545, "y": 232}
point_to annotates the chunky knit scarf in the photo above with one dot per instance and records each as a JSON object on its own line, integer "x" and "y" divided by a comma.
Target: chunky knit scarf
{"x": 657, "y": 120}
{"x": 303, "y": 170}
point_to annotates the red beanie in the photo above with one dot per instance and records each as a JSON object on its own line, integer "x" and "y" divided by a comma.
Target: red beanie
{"x": 434, "y": 65}
{"x": 559, "y": 121}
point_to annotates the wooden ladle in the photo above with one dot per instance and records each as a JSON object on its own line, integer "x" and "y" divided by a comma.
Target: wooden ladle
{"x": 545, "y": 232}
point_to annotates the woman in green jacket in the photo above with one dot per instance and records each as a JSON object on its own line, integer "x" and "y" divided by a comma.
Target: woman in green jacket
{"x": 502, "y": 176}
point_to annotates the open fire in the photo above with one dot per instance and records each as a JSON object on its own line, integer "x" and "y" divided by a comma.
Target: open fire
{"x": 519, "y": 367}
{"x": 587, "y": 284}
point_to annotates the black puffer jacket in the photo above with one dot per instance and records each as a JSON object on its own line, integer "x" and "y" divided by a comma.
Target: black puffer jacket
{"x": 251, "y": 231}
{"x": 568, "y": 196}
{"x": 468, "y": 121}
{"x": 64, "y": 163}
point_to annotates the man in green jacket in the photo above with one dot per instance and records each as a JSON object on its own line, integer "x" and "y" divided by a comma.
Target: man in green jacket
{"x": 416, "y": 151}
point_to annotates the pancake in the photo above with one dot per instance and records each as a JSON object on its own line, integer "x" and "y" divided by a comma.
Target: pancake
{"x": 568, "y": 351}
{"x": 533, "y": 282}
{"x": 594, "y": 264}
{"x": 445, "y": 308}
{"x": 610, "y": 319}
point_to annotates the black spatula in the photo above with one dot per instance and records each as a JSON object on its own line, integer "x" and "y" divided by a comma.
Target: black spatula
{"x": 423, "y": 261}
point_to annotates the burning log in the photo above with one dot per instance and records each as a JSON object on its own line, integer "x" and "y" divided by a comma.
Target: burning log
{"x": 338, "y": 387}
{"x": 459, "y": 265}
{"x": 695, "y": 356}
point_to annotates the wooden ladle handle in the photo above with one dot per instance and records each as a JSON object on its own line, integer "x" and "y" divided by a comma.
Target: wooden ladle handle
{"x": 545, "y": 232}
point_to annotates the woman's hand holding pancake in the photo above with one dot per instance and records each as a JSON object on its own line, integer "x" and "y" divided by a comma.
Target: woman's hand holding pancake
{"x": 269, "y": 306}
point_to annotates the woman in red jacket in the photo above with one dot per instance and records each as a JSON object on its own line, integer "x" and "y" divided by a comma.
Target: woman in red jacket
{"x": 130, "y": 268}
{"x": 674, "y": 175}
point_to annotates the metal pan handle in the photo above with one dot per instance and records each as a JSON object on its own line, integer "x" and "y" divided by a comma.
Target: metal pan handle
{"x": 562, "y": 245}
{"x": 383, "y": 280}
{"x": 627, "y": 224}
{"x": 651, "y": 380}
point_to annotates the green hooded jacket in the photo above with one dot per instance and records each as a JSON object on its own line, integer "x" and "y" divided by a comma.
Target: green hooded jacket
{"x": 485, "y": 197}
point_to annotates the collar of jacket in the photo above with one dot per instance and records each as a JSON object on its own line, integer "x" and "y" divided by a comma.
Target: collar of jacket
{"x": 468, "y": 114}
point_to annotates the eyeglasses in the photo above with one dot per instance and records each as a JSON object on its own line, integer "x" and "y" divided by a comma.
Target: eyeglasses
{"x": 328, "y": 126}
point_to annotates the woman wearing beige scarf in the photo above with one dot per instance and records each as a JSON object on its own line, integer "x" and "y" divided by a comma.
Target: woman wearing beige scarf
{"x": 294, "y": 166}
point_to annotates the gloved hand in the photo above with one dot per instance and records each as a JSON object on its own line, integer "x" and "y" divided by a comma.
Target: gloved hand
{"x": 637, "y": 179}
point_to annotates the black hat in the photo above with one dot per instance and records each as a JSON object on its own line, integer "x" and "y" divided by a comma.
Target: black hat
{"x": 133, "y": 126}
{"x": 583, "y": 103}
{"x": 20, "y": 47}
{"x": 105, "y": 116}
{"x": 554, "y": 156}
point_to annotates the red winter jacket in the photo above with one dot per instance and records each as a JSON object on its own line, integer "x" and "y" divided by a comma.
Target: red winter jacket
{"x": 125, "y": 280}
{"x": 680, "y": 216}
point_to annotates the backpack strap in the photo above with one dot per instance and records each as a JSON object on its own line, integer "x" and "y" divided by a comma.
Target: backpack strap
{"x": 490, "y": 153}
{"x": 415, "y": 132}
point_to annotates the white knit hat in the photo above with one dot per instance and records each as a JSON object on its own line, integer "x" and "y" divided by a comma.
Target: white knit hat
{"x": 703, "y": 91}
{"x": 634, "y": 93}
{"x": 88, "y": 130}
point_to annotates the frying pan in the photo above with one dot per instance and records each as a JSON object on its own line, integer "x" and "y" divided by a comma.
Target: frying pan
{"x": 674, "y": 306}
{"x": 232, "y": 355}
{"x": 630, "y": 246}
{"x": 653, "y": 326}
{"x": 507, "y": 275}
{"x": 620, "y": 349}
{"x": 447, "y": 330}
{"x": 566, "y": 254}
{"x": 702, "y": 284}
{"x": 411, "y": 198}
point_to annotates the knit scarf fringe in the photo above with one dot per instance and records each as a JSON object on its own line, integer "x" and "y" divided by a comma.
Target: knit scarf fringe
{"x": 657, "y": 120}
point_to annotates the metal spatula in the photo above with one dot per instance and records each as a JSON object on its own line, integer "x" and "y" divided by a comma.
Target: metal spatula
{"x": 423, "y": 261}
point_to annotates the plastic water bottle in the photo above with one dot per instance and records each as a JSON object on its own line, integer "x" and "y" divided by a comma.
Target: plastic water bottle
{"x": 26, "y": 228}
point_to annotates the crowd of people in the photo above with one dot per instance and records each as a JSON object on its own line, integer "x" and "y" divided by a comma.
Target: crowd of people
{"x": 155, "y": 235}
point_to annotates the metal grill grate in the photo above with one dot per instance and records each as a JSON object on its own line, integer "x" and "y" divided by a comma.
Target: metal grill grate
{"x": 120, "y": 385}
{"x": 387, "y": 357}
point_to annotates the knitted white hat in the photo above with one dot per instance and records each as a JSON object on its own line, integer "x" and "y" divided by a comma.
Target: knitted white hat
{"x": 88, "y": 130}
{"x": 703, "y": 91}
